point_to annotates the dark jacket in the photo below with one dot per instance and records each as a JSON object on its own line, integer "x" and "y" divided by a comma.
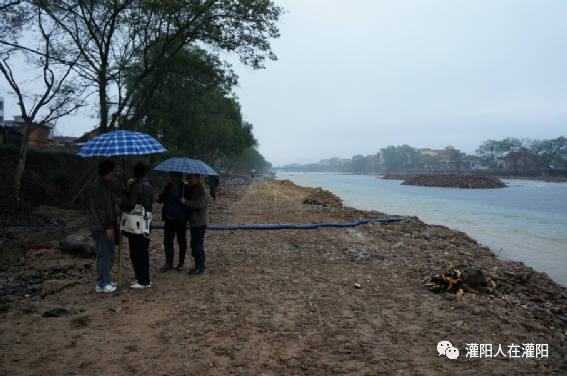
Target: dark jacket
{"x": 198, "y": 205}
{"x": 140, "y": 192}
{"x": 102, "y": 212}
{"x": 213, "y": 181}
{"x": 167, "y": 195}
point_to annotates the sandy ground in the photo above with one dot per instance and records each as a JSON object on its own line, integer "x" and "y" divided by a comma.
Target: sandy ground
{"x": 284, "y": 302}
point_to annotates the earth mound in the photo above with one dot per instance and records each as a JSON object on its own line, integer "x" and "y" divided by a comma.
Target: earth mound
{"x": 397, "y": 176}
{"x": 319, "y": 196}
{"x": 454, "y": 181}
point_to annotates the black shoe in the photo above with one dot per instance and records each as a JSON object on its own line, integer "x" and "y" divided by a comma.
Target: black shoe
{"x": 196, "y": 270}
{"x": 166, "y": 267}
{"x": 179, "y": 267}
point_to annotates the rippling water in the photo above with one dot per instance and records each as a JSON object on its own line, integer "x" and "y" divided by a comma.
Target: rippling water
{"x": 526, "y": 221}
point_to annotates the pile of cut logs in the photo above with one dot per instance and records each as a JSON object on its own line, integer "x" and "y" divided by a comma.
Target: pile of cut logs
{"x": 474, "y": 282}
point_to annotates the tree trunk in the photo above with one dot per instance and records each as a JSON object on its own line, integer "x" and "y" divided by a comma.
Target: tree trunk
{"x": 103, "y": 105}
{"x": 21, "y": 163}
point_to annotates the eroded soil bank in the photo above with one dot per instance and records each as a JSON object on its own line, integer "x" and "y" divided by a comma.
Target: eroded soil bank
{"x": 283, "y": 302}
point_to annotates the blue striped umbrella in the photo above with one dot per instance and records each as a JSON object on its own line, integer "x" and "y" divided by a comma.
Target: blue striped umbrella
{"x": 186, "y": 166}
{"x": 121, "y": 143}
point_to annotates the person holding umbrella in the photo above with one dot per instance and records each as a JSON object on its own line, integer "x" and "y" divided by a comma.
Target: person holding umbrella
{"x": 110, "y": 144}
{"x": 175, "y": 222}
{"x": 103, "y": 224}
{"x": 194, "y": 202}
{"x": 197, "y": 203}
{"x": 139, "y": 192}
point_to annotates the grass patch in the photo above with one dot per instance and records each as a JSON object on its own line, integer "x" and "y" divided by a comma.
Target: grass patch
{"x": 81, "y": 322}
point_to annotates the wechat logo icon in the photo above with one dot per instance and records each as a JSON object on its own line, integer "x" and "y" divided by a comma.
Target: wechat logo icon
{"x": 447, "y": 349}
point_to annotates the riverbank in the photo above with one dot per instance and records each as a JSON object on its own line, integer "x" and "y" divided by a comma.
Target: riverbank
{"x": 284, "y": 302}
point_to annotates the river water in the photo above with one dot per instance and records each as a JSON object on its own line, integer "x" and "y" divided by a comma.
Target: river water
{"x": 526, "y": 221}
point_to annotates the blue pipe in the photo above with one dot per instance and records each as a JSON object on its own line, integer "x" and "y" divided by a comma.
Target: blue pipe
{"x": 279, "y": 227}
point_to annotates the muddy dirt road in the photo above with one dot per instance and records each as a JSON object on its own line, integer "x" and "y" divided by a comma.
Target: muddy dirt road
{"x": 284, "y": 302}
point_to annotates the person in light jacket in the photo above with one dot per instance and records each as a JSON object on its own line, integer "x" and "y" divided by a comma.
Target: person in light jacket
{"x": 197, "y": 202}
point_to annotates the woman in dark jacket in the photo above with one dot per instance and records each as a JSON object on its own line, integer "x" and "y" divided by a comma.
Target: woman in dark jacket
{"x": 139, "y": 192}
{"x": 173, "y": 224}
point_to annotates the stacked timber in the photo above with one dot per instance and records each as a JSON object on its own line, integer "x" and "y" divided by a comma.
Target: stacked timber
{"x": 454, "y": 181}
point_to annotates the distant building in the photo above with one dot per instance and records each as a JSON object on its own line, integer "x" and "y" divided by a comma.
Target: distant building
{"x": 65, "y": 139}
{"x": 381, "y": 155}
{"x": 87, "y": 136}
{"x": 40, "y": 136}
{"x": 336, "y": 161}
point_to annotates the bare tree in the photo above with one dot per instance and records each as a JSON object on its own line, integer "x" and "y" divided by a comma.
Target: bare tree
{"x": 57, "y": 98}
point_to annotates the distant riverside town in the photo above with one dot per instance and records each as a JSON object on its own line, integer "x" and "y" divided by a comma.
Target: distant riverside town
{"x": 510, "y": 156}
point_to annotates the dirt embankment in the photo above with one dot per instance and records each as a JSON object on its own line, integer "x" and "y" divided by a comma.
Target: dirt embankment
{"x": 448, "y": 180}
{"x": 326, "y": 301}
{"x": 397, "y": 176}
{"x": 454, "y": 181}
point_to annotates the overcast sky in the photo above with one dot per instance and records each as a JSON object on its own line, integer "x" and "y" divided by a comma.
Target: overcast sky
{"x": 354, "y": 76}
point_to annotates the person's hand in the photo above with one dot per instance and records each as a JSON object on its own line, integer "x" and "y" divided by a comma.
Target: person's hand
{"x": 110, "y": 234}
{"x": 156, "y": 198}
{"x": 183, "y": 200}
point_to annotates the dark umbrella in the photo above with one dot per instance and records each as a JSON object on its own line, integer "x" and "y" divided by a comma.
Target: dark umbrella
{"x": 186, "y": 166}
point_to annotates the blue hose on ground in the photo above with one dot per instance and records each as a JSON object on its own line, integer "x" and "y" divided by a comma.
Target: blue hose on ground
{"x": 279, "y": 227}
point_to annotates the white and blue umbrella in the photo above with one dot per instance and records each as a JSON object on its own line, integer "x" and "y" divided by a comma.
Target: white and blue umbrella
{"x": 121, "y": 143}
{"x": 186, "y": 166}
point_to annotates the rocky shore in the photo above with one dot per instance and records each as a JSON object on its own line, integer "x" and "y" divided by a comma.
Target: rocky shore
{"x": 325, "y": 301}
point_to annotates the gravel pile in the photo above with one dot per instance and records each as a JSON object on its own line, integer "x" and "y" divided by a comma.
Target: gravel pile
{"x": 397, "y": 176}
{"x": 454, "y": 181}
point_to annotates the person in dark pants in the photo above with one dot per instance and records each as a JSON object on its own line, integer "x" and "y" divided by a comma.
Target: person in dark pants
{"x": 197, "y": 203}
{"x": 213, "y": 182}
{"x": 103, "y": 224}
{"x": 173, "y": 226}
{"x": 140, "y": 192}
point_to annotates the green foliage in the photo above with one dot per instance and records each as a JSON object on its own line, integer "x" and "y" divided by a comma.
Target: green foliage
{"x": 112, "y": 36}
{"x": 81, "y": 322}
{"x": 358, "y": 165}
{"x": 62, "y": 179}
{"x": 249, "y": 159}
{"x": 396, "y": 157}
{"x": 491, "y": 150}
{"x": 525, "y": 153}
{"x": 191, "y": 113}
